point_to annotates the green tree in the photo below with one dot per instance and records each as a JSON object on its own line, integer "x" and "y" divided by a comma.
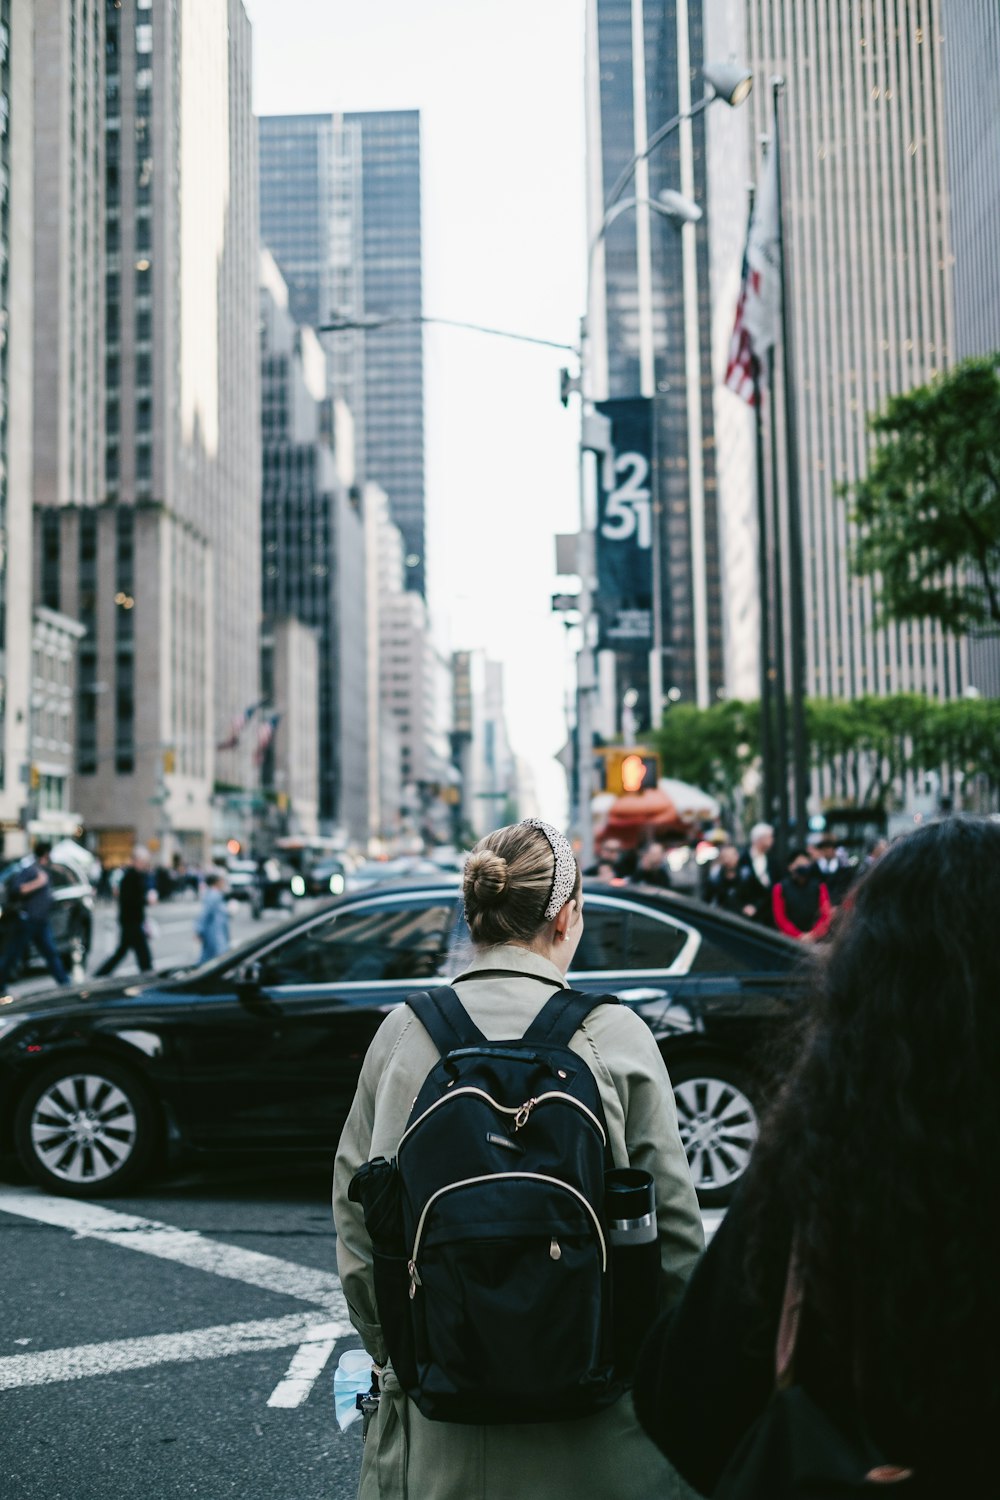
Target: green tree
{"x": 711, "y": 748}
{"x": 928, "y": 511}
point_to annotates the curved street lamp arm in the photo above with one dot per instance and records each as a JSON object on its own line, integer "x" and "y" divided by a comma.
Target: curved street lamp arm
{"x": 628, "y": 172}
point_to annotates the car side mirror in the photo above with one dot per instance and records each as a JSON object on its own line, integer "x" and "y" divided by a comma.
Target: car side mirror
{"x": 249, "y": 975}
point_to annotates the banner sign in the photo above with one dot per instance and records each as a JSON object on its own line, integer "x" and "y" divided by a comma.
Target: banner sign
{"x": 625, "y": 530}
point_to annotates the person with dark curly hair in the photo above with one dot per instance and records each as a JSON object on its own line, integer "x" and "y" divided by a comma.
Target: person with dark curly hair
{"x": 878, "y": 1163}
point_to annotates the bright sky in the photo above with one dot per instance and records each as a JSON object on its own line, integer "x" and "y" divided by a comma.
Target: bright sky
{"x": 499, "y": 84}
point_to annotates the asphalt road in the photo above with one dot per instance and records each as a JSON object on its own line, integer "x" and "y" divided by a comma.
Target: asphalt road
{"x": 103, "y": 1398}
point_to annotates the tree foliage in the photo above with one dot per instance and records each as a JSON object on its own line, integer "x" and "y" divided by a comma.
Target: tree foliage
{"x": 868, "y": 745}
{"x": 928, "y": 510}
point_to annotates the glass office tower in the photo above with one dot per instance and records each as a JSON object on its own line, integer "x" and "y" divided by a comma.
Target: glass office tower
{"x": 340, "y": 213}
{"x": 651, "y": 335}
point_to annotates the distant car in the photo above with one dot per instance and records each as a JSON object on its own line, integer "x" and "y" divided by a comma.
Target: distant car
{"x": 243, "y": 884}
{"x": 278, "y": 883}
{"x": 327, "y": 877}
{"x": 72, "y": 918}
{"x": 261, "y": 1049}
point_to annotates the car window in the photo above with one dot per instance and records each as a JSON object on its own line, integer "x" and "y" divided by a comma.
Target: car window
{"x": 619, "y": 937}
{"x": 61, "y": 877}
{"x": 653, "y": 942}
{"x": 603, "y": 943}
{"x": 385, "y": 941}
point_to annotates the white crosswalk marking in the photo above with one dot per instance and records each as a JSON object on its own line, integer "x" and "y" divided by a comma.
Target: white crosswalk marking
{"x": 50, "y": 1365}
{"x": 186, "y": 1247}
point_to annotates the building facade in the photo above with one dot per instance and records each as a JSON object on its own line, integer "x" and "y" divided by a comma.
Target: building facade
{"x": 289, "y": 680}
{"x": 181, "y": 368}
{"x": 16, "y": 352}
{"x": 489, "y": 778}
{"x": 54, "y": 642}
{"x": 68, "y": 457}
{"x": 871, "y": 276}
{"x": 310, "y": 218}
{"x": 649, "y": 310}
{"x": 314, "y": 565}
{"x": 138, "y": 579}
{"x": 340, "y": 212}
{"x": 392, "y": 252}
{"x": 972, "y": 125}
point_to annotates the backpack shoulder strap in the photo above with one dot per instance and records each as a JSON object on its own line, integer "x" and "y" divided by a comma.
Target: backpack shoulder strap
{"x": 562, "y": 1014}
{"x": 445, "y": 1019}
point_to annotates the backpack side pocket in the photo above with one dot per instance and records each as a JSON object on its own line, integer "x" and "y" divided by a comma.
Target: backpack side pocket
{"x": 376, "y": 1187}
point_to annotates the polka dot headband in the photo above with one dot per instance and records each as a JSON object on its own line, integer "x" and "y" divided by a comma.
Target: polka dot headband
{"x": 564, "y": 873}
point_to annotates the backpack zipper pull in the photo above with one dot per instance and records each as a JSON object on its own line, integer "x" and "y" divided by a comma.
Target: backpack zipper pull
{"x": 521, "y": 1118}
{"x": 414, "y": 1278}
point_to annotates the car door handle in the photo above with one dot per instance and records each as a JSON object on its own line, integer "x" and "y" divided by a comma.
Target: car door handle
{"x": 644, "y": 994}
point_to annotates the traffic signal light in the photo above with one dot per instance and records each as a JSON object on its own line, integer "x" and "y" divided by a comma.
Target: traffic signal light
{"x": 34, "y": 778}
{"x": 622, "y": 770}
{"x": 169, "y": 762}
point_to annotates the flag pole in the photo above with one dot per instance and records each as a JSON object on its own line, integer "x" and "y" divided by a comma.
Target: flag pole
{"x": 764, "y": 591}
{"x": 778, "y": 635}
{"x": 796, "y": 598}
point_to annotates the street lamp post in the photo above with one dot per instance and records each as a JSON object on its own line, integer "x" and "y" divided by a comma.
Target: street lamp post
{"x": 730, "y": 83}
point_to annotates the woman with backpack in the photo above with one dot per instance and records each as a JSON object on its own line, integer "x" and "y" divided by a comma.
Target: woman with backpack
{"x": 524, "y": 907}
{"x": 847, "y": 1313}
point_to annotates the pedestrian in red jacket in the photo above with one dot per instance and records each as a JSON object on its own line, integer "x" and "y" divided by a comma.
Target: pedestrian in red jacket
{"x": 801, "y": 902}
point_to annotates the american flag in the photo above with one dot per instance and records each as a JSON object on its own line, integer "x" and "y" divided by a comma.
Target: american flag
{"x": 236, "y": 728}
{"x": 743, "y": 369}
{"x": 758, "y": 311}
{"x": 265, "y": 734}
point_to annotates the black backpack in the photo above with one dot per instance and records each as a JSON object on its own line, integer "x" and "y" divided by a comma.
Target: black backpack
{"x": 492, "y": 1255}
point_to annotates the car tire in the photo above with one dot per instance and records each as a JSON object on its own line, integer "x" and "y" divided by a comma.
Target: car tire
{"x": 718, "y": 1112}
{"x": 86, "y": 1127}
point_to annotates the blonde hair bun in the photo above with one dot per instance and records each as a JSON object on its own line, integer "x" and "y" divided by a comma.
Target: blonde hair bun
{"x": 487, "y": 877}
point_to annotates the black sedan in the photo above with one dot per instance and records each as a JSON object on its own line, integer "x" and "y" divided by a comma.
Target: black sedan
{"x": 261, "y": 1050}
{"x": 72, "y": 917}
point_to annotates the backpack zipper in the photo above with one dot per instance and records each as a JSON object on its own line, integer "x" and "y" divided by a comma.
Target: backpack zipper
{"x": 520, "y": 1112}
{"x": 500, "y": 1177}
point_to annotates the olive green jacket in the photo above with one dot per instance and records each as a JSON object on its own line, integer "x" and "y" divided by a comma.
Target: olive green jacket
{"x": 408, "y": 1457}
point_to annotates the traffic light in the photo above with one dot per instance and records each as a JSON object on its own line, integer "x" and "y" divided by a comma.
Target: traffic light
{"x": 633, "y": 769}
{"x": 169, "y": 762}
{"x": 34, "y": 778}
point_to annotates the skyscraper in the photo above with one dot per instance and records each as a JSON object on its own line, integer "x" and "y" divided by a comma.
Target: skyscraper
{"x": 68, "y": 451}
{"x": 181, "y": 464}
{"x": 310, "y": 215}
{"x": 340, "y": 212}
{"x": 16, "y": 160}
{"x": 871, "y": 272}
{"x": 314, "y": 565}
{"x": 649, "y": 322}
{"x": 972, "y": 126}
{"x": 394, "y": 356}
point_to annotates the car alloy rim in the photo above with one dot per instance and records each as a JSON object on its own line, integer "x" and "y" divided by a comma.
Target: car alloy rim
{"x": 83, "y": 1128}
{"x": 718, "y": 1127}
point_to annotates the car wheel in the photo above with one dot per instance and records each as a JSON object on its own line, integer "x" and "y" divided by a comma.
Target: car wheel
{"x": 718, "y": 1116}
{"x": 85, "y": 1127}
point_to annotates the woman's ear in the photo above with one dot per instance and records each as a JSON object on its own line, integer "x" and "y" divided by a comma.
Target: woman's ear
{"x": 567, "y": 918}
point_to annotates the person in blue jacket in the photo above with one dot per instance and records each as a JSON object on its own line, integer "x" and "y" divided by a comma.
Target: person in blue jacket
{"x": 212, "y": 925}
